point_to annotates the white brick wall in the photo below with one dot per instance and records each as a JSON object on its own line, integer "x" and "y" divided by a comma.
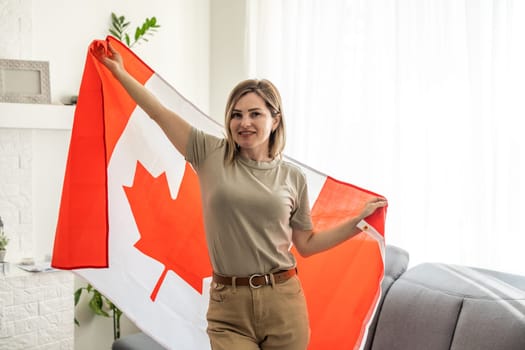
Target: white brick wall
{"x": 36, "y": 310}
{"x": 16, "y": 190}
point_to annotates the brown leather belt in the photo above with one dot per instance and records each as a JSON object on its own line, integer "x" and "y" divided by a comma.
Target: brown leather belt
{"x": 256, "y": 280}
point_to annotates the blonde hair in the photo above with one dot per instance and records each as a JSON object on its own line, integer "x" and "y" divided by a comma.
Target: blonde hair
{"x": 269, "y": 93}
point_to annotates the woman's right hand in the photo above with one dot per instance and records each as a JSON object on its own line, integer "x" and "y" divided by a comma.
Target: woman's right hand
{"x": 108, "y": 56}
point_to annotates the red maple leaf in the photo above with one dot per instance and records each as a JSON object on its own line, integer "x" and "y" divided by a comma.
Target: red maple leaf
{"x": 171, "y": 230}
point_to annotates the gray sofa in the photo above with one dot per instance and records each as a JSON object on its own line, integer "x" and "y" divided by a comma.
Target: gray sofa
{"x": 433, "y": 306}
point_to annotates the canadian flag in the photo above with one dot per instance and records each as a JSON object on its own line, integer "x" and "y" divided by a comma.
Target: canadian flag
{"x": 130, "y": 222}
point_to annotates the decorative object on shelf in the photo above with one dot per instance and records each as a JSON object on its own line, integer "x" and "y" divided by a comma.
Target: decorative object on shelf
{"x": 3, "y": 241}
{"x": 39, "y": 267}
{"x": 101, "y": 305}
{"x": 119, "y": 26}
{"x": 70, "y": 100}
{"x": 24, "y": 81}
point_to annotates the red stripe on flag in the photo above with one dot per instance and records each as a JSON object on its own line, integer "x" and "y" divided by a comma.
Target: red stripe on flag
{"x": 102, "y": 112}
{"x": 342, "y": 285}
{"x": 339, "y": 201}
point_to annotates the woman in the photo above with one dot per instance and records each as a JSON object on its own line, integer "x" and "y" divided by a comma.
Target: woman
{"x": 255, "y": 206}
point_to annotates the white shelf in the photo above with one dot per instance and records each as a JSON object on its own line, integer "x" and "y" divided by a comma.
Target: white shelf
{"x": 36, "y": 116}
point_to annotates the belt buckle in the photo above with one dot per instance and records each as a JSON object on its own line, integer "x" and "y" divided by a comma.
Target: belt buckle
{"x": 250, "y": 280}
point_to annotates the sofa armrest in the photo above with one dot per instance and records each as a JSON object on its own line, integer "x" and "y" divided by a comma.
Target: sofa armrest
{"x": 396, "y": 263}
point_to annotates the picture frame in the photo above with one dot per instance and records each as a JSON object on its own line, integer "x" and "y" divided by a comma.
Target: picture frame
{"x": 23, "y": 81}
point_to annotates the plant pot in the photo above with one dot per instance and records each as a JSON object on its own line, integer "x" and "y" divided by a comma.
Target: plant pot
{"x": 2, "y": 255}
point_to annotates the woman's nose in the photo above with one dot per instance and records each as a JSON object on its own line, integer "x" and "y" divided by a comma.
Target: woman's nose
{"x": 245, "y": 120}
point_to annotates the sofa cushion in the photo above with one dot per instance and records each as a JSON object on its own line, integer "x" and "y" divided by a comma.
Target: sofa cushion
{"x": 488, "y": 324}
{"x": 441, "y": 307}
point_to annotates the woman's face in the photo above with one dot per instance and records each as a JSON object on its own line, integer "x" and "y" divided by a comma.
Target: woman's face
{"x": 251, "y": 123}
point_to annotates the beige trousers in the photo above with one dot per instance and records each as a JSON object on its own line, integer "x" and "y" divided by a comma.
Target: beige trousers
{"x": 271, "y": 317}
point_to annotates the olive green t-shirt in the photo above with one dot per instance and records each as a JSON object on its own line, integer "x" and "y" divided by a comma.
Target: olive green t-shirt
{"x": 249, "y": 208}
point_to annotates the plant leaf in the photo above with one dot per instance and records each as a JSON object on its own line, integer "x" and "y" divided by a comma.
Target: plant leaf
{"x": 96, "y": 304}
{"x": 116, "y": 34}
{"x": 78, "y": 292}
{"x": 120, "y": 26}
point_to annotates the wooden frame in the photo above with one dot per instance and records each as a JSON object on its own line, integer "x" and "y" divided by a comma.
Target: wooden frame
{"x": 24, "y": 81}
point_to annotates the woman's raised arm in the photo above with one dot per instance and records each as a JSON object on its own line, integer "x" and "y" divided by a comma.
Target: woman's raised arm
{"x": 176, "y": 129}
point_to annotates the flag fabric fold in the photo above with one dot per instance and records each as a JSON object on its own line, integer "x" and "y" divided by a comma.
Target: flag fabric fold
{"x": 130, "y": 222}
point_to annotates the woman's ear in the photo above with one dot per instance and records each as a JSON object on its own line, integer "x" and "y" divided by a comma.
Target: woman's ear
{"x": 276, "y": 120}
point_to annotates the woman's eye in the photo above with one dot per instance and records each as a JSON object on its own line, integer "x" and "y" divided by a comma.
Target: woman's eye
{"x": 236, "y": 116}
{"x": 255, "y": 114}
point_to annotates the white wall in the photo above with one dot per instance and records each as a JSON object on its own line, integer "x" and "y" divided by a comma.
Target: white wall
{"x": 47, "y": 186}
{"x": 61, "y": 31}
{"x": 228, "y": 43}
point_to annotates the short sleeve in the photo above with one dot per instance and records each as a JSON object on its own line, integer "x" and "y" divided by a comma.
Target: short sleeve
{"x": 199, "y": 145}
{"x": 301, "y": 218}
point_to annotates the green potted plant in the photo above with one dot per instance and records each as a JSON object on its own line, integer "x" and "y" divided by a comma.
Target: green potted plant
{"x": 119, "y": 27}
{"x": 101, "y": 306}
{"x": 3, "y": 241}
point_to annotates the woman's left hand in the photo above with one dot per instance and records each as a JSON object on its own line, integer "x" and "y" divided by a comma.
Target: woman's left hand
{"x": 372, "y": 205}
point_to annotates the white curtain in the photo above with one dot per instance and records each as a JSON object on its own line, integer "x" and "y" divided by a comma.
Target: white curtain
{"x": 421, "y": 101}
